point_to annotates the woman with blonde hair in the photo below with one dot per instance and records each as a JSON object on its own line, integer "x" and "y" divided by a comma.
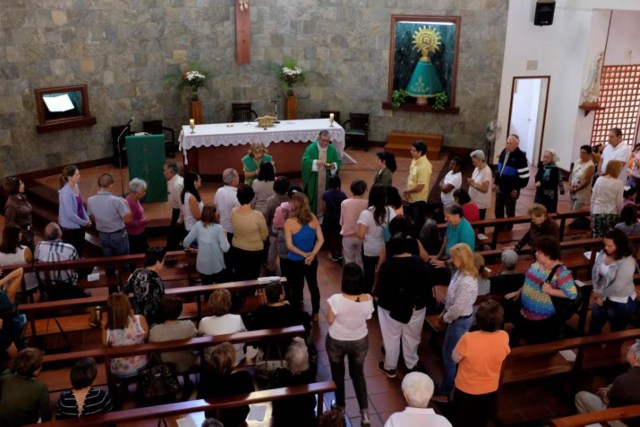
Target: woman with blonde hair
{"x": 304, "y": 239}
{"x": 607, "y": 199}
{"x": 212, "y": 245}
{"x": 458, "y": 311}
{"x": 251, "y": 162}
{"x": 124, "y": 328}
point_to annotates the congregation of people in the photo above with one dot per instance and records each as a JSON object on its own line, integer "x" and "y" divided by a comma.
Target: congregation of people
{"x": 398, "y": 267}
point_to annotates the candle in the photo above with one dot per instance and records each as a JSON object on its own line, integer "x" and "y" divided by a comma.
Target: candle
{"x": 331, "y": 116}
{"x": 192, "y": 122}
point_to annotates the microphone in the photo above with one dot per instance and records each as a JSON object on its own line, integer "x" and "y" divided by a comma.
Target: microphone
{"x": 129, "y": 122}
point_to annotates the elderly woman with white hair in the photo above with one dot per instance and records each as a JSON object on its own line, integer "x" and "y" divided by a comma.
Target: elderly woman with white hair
{"x": 508, "y": 279}
{"x": 136, "y": 227}
{"x": 417, "y": 389}
{"x": 547, "y": 181}
{"x": 297, "y": 410}
{"x": 480, "y": 182}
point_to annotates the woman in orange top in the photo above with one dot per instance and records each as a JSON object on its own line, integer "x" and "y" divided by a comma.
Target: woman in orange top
{"x": 479, "y": 356}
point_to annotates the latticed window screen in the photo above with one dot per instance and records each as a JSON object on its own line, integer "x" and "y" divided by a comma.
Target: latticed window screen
{"x": 620, "y": 96}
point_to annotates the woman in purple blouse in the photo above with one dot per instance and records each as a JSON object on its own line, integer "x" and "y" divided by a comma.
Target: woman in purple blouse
{"x": 136, "y": 228}
{"x": 72, "y": 214}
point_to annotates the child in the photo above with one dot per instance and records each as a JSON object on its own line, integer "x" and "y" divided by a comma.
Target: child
{"x": 331, "y": 201}
{"x": 350, "y": 210}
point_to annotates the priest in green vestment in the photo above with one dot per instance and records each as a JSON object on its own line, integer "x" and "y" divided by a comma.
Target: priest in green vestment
{"x": 319, "y": 161}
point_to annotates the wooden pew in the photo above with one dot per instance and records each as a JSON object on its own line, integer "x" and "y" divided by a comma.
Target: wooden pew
{"x": 121, "y": 264}
{"x": 52, "y": 371}
{"x": 200, "y": 405}
{"x": 621, "y": 413}
{"x": 39, "y": 313}
{"x": 540, "y": 362}
{"x": 532, "y": 362}
{"x": 505, "y": 237}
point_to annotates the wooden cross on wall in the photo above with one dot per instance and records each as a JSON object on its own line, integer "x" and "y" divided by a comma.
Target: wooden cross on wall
{"x": 243, "y": 32}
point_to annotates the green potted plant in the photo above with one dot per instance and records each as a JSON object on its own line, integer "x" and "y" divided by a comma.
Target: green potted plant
{"x": 398, "y": 97}
{"x": 441, "y": 101}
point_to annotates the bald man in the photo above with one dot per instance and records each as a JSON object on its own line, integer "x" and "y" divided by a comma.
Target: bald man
{"x": 511, "y": 176}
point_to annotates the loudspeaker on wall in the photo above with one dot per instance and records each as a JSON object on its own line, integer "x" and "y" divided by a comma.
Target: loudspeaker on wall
{"x": 544, "y": 13}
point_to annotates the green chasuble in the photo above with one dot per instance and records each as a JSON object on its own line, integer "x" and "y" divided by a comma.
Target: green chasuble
{"x": 310, "y": 178}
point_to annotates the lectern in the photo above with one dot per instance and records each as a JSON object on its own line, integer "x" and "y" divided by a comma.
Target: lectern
{"x": 146, "y": 159}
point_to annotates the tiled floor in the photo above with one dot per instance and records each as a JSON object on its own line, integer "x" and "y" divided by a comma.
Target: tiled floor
{"x": 385, "y": 396}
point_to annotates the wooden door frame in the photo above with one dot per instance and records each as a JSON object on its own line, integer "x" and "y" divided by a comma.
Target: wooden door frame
{"x": 544, "y": 114}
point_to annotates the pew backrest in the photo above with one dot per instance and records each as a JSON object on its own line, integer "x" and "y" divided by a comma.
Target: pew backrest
{"x": 181, "y": 408}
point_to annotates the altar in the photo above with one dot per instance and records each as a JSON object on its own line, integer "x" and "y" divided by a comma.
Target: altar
{"x": 215, "y": 147}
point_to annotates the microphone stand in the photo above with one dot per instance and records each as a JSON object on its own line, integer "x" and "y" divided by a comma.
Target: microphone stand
{"x": 127, "y": 127}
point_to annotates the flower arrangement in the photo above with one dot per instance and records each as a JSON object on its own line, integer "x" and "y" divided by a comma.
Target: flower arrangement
{"x": 290, "y": 74}
{"x": 193, "y": 78}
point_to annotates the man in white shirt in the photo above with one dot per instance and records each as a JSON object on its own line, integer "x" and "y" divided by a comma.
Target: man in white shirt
{"x": 616, "y": 150}
{"x": 226, "y": 199}
{"x": 451, "y": 182}
{"x": 175, "y": 185}
{"x": 417, "y": 389}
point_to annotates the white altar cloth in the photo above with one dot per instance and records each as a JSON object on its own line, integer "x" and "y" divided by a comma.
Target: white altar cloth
{"x": 224, "y": 134}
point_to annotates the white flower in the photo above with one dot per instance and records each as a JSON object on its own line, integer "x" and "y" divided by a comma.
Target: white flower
{"x": 195, "y": 75}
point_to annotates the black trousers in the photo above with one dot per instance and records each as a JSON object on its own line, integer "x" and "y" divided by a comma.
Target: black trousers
{"x": 473, "y": 410}
{"x": 505, "y": 203}
{"x": 416, "y": 211}
{"x": 176, "y": 233}
{"x": 74, "y": 237}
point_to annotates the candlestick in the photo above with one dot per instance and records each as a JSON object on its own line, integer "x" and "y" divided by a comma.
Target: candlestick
{"x": 331, "y": 118}
{"x": 192, "y": 125}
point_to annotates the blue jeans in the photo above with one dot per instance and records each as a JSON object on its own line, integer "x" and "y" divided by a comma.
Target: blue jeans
{"x": 618, "y": 315}
{"x": 114, "y": 243}
{"x": 356, "y": 351}
{"x": 454, "y": 332}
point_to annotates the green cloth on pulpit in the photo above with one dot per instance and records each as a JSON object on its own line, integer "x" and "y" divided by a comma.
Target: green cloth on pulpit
{"x": 146, "y": 161}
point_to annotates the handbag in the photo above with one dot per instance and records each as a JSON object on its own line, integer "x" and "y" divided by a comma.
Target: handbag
{"x": 158, "y": 383}
{"x": 266, "y": 368}
{"x": 564, "y": 307}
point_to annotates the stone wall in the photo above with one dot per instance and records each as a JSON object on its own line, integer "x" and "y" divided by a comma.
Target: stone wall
{"x": 123, "y": 49}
